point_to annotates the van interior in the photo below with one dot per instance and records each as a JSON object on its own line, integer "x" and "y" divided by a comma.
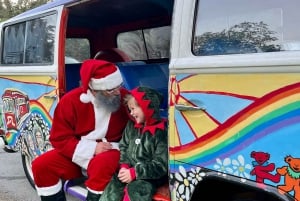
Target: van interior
{"x": 135, "y": 35}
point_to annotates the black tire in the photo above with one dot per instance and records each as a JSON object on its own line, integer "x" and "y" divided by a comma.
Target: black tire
{"x": 26, "y": 162}
{"x": 31, "y": 147}
{"x": 9, "y": 150}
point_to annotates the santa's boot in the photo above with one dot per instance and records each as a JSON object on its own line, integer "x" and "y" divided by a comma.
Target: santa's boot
{"x": 60, "y": 196}
{"x": 92, "y": 196}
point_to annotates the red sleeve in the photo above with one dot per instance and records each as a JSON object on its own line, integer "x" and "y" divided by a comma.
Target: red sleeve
{"x": 71, "y": 120}
{"x": 124, "y": 165}
{"x": 132, "y": 173}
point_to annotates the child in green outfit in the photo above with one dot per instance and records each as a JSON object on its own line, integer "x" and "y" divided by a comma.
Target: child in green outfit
{"x": 144, "y": 150}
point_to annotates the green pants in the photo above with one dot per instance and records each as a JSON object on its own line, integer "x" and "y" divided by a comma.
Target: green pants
{"x": 137, "y": 190}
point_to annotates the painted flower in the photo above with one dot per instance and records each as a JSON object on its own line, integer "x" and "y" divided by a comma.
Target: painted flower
{"x": 185, "y": 187}
{"x": 195, "y": 175}
{"x": 224, "y": 166}
{"x": 180, "y": 197}
{"x": 240, "y": 167}
{"x": 236, "y": 167}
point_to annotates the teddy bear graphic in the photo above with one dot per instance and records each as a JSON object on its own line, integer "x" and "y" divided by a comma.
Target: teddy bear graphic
{"x": 291, "y": 175}
{"x": 262, "y": 168}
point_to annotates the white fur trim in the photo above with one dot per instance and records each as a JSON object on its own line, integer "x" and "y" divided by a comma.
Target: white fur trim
{"x": 102, "y": 117}
{"x": 115, "y": 145}
{"x": 86, "y": 97}
{"x": 95, "y": 192}
{"x": 85, "y": 149}
{"x": 84, "y": 152}
{"x": 51, "y": 190}
{"x": 109, "y": 82}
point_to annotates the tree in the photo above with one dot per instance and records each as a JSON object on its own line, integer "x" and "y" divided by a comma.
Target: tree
{"x": 11, "y": 8}
{"x": 246, "y": 37}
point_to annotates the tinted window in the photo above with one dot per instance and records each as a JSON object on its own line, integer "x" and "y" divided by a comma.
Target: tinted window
{"x": 30, "y": 42}
{"x": 146, "y": 44}
{"x": 77, "y": 50}
{"x": 238, "y": 27}
{"x": 14, "y": 40}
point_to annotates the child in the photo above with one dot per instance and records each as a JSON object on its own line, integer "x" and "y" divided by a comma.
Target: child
{"x": 144, "y": 150}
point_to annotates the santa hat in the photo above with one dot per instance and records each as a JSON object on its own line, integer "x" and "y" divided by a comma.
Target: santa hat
{"x": 98, "y": 75}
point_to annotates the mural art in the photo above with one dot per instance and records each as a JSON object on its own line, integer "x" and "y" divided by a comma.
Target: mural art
{"x": 244, "y": 125}
{"x": 26, "y": 114}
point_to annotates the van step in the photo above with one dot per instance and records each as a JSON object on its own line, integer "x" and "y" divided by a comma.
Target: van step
{"x": 77, "y": 191}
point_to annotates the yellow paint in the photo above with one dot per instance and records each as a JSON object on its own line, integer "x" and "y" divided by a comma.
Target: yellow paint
{"x": 244, "y": 84}
{"x": 42, "y": 80}
{"x": 200, "y": 121}
{"x": 32, "y": 79}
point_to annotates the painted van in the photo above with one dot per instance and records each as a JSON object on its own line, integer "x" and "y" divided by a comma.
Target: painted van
{"x": 229, "y": 72}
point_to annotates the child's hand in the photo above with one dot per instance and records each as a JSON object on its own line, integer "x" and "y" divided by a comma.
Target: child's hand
{"x": 124, "y": 175}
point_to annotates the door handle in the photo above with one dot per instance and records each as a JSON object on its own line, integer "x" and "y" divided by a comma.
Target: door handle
{"x": 53, "y": 97}
{"x": 182, "y": 107}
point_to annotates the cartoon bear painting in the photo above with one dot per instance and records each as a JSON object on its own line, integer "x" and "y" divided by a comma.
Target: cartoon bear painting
{"x": 291, "y": 175}
{"x": 262, "y": 168}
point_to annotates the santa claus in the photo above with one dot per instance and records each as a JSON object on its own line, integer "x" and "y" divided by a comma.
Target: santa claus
{"x": 87, "y": 125}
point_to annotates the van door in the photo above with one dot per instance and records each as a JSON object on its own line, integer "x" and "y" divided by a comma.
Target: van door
{"x": 234, "y": 100}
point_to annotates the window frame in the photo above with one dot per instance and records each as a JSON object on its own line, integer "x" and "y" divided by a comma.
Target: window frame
{"x": 25, "y": 21}
{"x": 244, "y": 47}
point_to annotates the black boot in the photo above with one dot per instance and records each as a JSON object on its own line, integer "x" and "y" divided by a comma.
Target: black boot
{"x": 92, "y": 196}
{"x": 60, "y": 196}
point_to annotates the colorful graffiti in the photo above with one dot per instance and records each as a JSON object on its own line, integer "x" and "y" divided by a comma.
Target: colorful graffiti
{"x": 242, "y": 114}
{"x": 25, "y": 112}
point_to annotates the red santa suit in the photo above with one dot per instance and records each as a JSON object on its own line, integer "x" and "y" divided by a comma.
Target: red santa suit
{"x": 77, "y": 127}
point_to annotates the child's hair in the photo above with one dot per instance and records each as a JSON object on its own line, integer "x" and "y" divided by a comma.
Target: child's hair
{"x": 129, "y": 97}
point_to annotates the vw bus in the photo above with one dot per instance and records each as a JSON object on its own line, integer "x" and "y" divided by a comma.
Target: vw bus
{"x": 229, "y": 72}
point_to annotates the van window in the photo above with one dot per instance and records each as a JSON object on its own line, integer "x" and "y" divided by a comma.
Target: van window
{"x": 146, "y": 44}
{"x": 238, "y": 27}
{"x": 29, "y": 42}
{"x": 77, "y": 50}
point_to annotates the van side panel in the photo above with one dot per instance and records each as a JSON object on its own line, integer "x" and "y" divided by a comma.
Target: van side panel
{"x": 233, "y": 120}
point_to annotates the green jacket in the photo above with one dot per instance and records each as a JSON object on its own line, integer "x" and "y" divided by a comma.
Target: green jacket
{"x": 147, "y": 153}
{"x": 144, "y": 147}
{"x": 144, "y": 150}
